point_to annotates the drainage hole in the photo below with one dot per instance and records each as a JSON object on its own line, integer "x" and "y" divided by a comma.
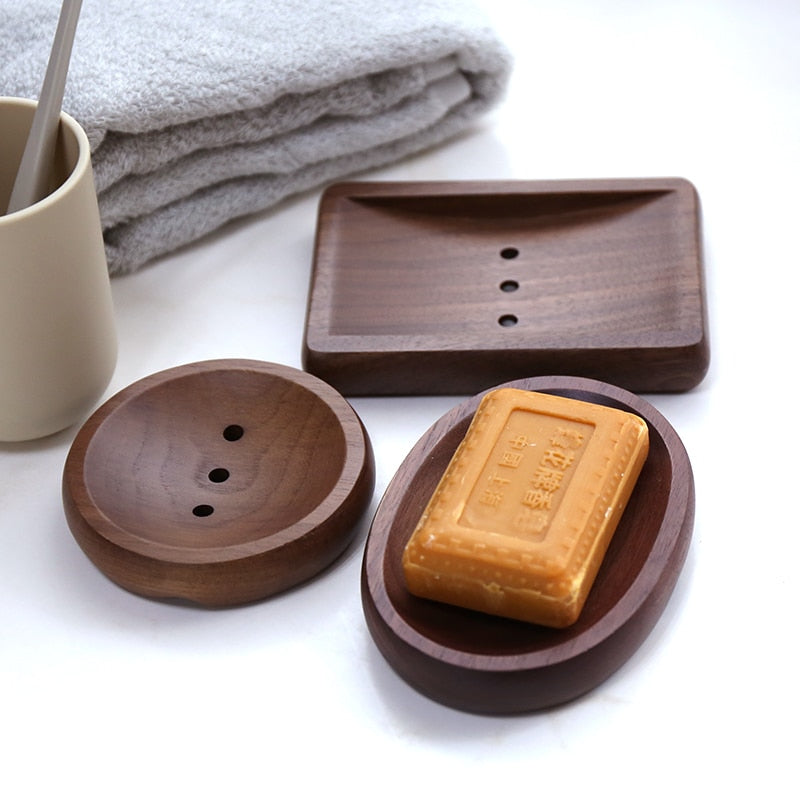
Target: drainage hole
{"x": 203, "y": 510}
{"x": 509, "y": 286}
{"x": 509, "y": 252}
{"x": 233, "y": 433}
{"x": 508, "y": 320}
{"x": 219, "y": 475}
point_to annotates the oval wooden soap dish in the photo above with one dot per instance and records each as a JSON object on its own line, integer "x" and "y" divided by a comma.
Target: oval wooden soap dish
{"x": 220, "y": 482}
{"x": 486, "y": 664}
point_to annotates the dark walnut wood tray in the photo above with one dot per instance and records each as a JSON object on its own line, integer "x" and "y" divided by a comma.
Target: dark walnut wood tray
{"x": 453, "y": 287}
{"x": 490, "y": 665}
{"x": 219, "y": 483}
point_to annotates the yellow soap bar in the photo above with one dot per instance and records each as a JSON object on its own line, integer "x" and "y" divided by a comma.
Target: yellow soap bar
{"x": 525, "y": 511}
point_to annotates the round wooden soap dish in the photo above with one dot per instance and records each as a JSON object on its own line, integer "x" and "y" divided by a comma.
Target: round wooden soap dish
{"x": 491, "y": 665}
{"x": 220, "y": 482}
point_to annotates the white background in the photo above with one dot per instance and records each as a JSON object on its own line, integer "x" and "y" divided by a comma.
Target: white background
{"x": 106, "y": 694}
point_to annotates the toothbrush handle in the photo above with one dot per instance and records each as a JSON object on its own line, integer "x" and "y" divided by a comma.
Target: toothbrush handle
{"x": 35, "y": 167}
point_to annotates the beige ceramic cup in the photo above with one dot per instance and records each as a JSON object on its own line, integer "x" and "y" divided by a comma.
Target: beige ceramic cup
{"x": 58, "y": 344}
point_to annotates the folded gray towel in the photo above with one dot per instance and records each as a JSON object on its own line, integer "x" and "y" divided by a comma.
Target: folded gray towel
{"x": 201, "y": 111}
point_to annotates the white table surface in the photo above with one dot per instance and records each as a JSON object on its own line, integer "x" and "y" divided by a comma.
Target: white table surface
{"x": 114, "y": 695}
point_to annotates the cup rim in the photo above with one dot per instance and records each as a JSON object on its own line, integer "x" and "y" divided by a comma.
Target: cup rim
{"x": 81, "y": 164}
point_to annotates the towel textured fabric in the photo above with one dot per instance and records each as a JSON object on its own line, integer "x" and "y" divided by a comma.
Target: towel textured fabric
{"x": 201, "y": 111}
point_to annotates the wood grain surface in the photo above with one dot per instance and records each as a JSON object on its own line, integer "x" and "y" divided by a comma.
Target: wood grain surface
{"x": 220, "y": 482}
{"x": 486, "y": 664}
{"x": 453, "y": 287}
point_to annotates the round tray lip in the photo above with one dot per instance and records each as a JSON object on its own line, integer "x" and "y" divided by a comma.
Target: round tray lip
{"x": 637, "y": 594}
{"x": 357, "y": 457}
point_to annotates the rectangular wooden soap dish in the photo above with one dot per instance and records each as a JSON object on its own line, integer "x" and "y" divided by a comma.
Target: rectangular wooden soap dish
{"x": 454, "y": 287}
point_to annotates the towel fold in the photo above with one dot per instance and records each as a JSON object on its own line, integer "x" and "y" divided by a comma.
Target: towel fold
{"x": 202, "y": 111}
